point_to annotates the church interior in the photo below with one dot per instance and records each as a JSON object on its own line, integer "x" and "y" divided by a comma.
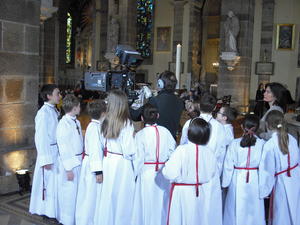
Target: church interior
{"x": 59, "y": 41}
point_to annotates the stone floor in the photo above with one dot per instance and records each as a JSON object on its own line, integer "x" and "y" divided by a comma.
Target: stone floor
{"x": 14, "y": 211}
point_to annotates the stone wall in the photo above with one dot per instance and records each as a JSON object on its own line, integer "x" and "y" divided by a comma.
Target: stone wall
{"x": 237, "y": 82}
{"x": 19, "y": 70}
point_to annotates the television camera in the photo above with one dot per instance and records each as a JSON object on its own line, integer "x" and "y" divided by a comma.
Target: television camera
{"x": 124, "y": 79}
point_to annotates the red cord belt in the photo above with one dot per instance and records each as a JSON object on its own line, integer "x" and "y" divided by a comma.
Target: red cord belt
{"x": 171, "y": 194}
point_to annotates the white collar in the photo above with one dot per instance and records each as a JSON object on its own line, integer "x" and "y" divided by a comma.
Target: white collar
{"x": 150, "y": 125}
{"x": 70, "y": 117}
{"x": 48, "y": 104}
{"x": 96, "y": 121}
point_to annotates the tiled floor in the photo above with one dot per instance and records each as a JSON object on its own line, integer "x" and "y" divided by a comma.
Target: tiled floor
{"x": 14, "y": 211}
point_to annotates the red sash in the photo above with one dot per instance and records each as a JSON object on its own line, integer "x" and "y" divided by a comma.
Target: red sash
{"x": 156, "y": 163}
{"x": 288, "y": 171}
{"x": 44, "y": 188}
{"x": 183, "y": 184}
{"x": 246, "y": 168}
{"x": 106, "y": 151}
{"x": 247, "y": 165}
{"x": 83, "y": 154}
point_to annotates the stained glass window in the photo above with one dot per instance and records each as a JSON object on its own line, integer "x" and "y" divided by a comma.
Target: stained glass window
{"x": 144, "y": 26}
{"x": 69, "y": 38}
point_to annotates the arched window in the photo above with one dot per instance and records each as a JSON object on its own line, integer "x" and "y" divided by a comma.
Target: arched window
{"x": 144, "y": 26}
{"x": 69, "y": 38}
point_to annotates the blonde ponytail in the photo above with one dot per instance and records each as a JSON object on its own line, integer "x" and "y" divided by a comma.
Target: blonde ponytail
{"x": 275, "y": 121}
{"x": 283, "y": 138}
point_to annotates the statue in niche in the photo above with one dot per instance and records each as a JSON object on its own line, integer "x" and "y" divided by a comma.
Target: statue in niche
{"x": 232, "y": 29}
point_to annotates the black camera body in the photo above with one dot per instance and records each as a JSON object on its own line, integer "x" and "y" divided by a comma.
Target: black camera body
{"x": 124, "y": 79}
{"x": 105, "y": 81}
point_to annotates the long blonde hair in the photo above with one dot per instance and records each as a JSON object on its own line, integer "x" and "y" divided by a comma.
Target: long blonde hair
{"x": 275, "y": 121}
{"x": 117, "y": 114}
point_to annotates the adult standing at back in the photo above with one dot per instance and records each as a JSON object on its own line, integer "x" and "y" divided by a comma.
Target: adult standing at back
{"x": 275, "y": 96}
{"x": 168, "y": 104}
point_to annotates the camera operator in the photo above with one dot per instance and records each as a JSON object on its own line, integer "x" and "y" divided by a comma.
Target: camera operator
{"x": 169, "y": 105}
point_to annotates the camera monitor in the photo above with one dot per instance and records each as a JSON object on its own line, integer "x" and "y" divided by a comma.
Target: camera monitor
{"x": 128, "y": 56}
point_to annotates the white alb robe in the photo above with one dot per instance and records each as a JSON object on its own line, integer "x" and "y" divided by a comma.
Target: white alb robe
{"x": 70, "y": 146}
{"x": 217, "y": 144}
{"x": 114, "y": 205}
{"x": 229, "y": 134}
{"x": 286, "y": 198}
{"x": 217, "y": 141}
{"x": 45, "y": 141}
{"x": 243, "y": 205}
{"x": 87, "y": 187}
{"x": 185, "y": 207}
{"x": 152, "y": 189}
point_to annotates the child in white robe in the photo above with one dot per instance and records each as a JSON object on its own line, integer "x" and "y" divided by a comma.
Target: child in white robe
{"x": 154, "y": 144}
{"x": 114, "y": 206}
{"x": 243, "y": 205}
{"x": 190, "y": 169}
{"x": 44, "y": 185}
{"x": 217, "y": 144}
{"x": 280, "y": 172}
{"x": 70, "y": 146}
{"x": 91, "y": 169}
{"x": 225, "y": 116}
{"x": 217, "y": 140}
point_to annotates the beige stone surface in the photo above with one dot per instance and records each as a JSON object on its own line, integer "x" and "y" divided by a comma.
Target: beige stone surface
{"x": 14, "y": 90}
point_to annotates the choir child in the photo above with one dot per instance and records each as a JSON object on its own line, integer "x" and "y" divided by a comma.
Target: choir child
{"x": 70, "y": 145}
{"x": 114, "y": 206}
{"x": 280, "y": 172}
{"x": 191, "y": 169}
{"x": 226, "y": 115}
{"x": 217, "y": 144}
{"x": 44, "y": 185}
{"x": 218, "y": 137}
{"x": 91, "y": 169}
{"x": 243, "y": 205}
{"x": 154, "y": 144}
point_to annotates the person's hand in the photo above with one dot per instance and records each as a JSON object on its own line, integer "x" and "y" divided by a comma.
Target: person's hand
{"x": 99, "y": 178}
{"x": 70, "y": 175}
{"x": 48, "y": 167}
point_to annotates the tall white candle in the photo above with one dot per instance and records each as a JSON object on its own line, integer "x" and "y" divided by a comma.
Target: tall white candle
{"x": 178, "y": 65}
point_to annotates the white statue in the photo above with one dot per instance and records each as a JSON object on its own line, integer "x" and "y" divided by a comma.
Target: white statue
{"x": 232, "y": 29}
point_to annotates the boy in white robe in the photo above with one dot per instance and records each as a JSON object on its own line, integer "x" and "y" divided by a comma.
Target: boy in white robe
{"x": 70, "y": 145}
{"x": 280, "y": 173}
{"x": 217, "y": 140}
{"x": 191, "y": 169}
{"x": 43, "y": 199}
{"x": 225, "y": 116}
{"x": 243, "y": 205}
{"x": 217, "y": 144}
{"x": 91, "y": 169}
{"x": 154, "y": 144}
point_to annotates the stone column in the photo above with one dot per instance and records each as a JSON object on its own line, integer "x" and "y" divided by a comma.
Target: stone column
{"x": 128, "y": 12}
{"x": 99, "y": 30}
{"x": 178, "y": 25}
{"x": 266, "y": 40}
{"x": 237, "y": 82}
{"x": 195, "y": 39}
{"x": 19, "y": 71}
